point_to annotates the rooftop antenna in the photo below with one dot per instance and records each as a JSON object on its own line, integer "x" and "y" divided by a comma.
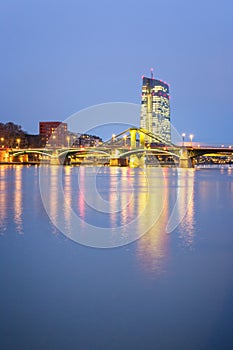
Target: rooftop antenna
{"x": 152, "y": 73}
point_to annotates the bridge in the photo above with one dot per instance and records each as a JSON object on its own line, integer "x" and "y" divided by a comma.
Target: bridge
{"x": 132, "y": 147}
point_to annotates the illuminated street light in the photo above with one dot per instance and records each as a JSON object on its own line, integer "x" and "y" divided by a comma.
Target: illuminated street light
{"x": 68, "y": 141}
{"x": 183, "y": 136}
{"x": 191, "y": 139}
{"x": 2, "y": 140}
{"x": 54, "y": 140}
{"x": 18, "y": 142}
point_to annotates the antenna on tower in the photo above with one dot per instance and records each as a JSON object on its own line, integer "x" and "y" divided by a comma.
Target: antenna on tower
{"x": 152, "y": 73}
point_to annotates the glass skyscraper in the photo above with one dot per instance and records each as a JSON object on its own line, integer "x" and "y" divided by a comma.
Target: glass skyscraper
{"x": 155, "y": 108}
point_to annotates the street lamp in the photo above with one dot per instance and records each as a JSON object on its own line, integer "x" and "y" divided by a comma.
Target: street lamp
{"x": 18, "y": 142}
{"x": 54, "y": 144}
{"x": 2, "y": 140}
{"x": 191, "y": 139}
{"x": 68, "y": 141}
{"x": 183, "y": 136}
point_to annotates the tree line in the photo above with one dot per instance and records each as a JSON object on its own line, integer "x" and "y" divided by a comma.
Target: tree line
{"x": 12, "y": 135}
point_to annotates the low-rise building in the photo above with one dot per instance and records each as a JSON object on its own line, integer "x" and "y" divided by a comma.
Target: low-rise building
{"x": 54, "y": 133}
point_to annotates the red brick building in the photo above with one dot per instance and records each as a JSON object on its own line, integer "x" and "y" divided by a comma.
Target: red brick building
{"x": 54, "y": 133}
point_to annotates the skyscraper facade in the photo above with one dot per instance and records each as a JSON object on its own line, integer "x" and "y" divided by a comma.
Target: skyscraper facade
{"x": 155, "y": 108}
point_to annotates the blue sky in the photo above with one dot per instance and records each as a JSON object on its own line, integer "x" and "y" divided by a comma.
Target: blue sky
{"x": 60, "y": 56}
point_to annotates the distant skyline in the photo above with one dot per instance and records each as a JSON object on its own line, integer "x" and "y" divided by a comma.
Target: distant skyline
{"x": 58, "y": 57}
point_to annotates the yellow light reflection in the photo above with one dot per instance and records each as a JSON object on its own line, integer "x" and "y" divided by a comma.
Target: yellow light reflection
{"x": 18, "y": 209}
{"x": 113, "y": 196}
{"x": 53, "y": 186}
{"x": 178, "y": 191}
{"x": 126, "y": 194}
{"x": 152, "y": 248}
{"x": 68, "y": 197}
{"x": 186, "y": 206}
{"x": 3, "y": 199}
{"x": 81, "y": 195}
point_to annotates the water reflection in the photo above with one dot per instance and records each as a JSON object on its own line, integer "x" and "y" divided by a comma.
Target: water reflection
{"x": 81, "y": 197}
{"x": 3, "y": 199}
{"x": 124, "y": 190}
{"x": 152, "y": 248}
{"x": 18, "y": 205}
{"x": 120, "y": 278}
{"x": 178, "y": 214}
{"x": 51, "y": 181}
{"x": 67, "y": 180}
{"x": 106, "y": 198}
{"x": 11, "y": 198}
{"x": 186, "y": 206}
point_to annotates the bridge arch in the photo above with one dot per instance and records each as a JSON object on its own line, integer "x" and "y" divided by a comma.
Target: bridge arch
{"x": 148, "y": 151}
{"x": 64, "y": 156}
{"x": 19, "y": 153}
{"x": 82, "y": 151}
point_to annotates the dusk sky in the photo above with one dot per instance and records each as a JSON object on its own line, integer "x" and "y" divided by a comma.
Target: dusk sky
{"x": 60, "y": 56}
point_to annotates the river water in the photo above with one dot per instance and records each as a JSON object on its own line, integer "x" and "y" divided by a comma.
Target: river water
{"x": 160, "y": 277}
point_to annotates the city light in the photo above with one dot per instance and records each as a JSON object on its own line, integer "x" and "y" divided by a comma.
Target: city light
{"x": 2, "y": 140}
{"x": 155, "y": 111}
{"x": 191, "y": 136}
{"x": 68, "y": 141}
{"x": 183, "y": 136}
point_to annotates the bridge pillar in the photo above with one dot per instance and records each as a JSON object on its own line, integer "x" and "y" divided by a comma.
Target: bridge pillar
{"x": 133, "y": 133}
{"x": 54, "y": 161}
{"x": 119, "y": 162}
{"x": 24, "y": 158}
{"x": 185, "y": 160}
{"x": 136, "y": 162}
{"x": 2, "y": 156}
{"x": 142, "y": 139}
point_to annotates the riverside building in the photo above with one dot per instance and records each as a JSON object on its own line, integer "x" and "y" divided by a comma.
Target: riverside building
{"x": 54, "y": 133}
{"x": 155, "y": 108}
